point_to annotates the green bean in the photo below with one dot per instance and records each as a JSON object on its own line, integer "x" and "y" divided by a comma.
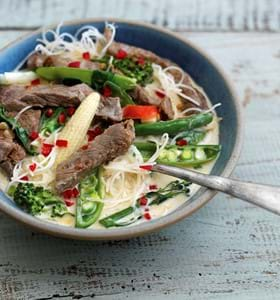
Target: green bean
{"x": 173, "y": 127}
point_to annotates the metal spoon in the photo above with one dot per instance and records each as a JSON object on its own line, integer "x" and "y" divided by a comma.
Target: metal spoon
{"x": 265, "y": 196}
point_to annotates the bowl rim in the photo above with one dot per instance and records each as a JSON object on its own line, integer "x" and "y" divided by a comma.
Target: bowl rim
{"x": 160, "y": 223}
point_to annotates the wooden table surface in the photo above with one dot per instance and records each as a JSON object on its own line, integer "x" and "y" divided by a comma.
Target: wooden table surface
{"x": 228, "y": 249}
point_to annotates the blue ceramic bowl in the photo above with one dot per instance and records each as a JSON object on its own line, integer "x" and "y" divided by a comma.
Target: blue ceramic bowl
{"x": 204, "y": 71}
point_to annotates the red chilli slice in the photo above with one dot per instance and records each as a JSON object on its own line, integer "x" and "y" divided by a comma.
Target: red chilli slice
{"x": 35, "y": 81}
{"x": 107, "y": 92}
{"x": 24, "y": 178}
{"x": 146, "y": 167}
{"x": 160, "y": 94}
{"x": 74, "y": 64}
{"x": 143, "y": 201}
{"x": 46, "y": 149}
{"x": 75, "y": 192}
{"x": 86, "y": 55}
{"x": 61, "y": 143}
{"x": 181, "y": 142}
{"x": 49, "y": 112}
{"x": 147, "y": 216}
{"x": 69, "y": 202}
{"x": 141, "y": 60}
{"x": 153, "y": 187}
{"x": 93, "y": 133}
{"x": 62, "y": 118}
{"x": 71, "y": 111}
{"x": 32, "y": 167}
{"x": 33, "y": 135}
{"x": 85, "y": 147}
{"x": 121, "y": 54}
{"x": 67, "y": 194}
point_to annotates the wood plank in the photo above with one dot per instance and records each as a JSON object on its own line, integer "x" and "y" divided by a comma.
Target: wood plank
{"x": 227, "y": 250}
{"x": 199, "y": 15}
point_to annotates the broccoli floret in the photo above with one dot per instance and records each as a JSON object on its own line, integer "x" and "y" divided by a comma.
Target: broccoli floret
{"x": 35, "y": 198}
{"x": 59, "y": 210}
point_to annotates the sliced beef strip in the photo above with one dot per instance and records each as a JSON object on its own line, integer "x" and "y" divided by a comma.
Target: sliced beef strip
{"x": 29, "y": 119}
{"x": 114, "y": 142}
{"x": 10, "y": 154}
{"x": 37, "y": 60}
{"x": 110, "y": 109}
{"x": 17, "y": 97}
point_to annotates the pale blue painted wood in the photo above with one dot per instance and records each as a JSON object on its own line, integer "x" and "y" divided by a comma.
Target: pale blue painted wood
{"x": 227, "y": 250}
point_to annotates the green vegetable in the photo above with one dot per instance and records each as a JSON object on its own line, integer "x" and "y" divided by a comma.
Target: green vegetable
{"x": 173, "y": 189}
{"x": 193, "y": 137}
{"x": 181, "y": 156}
{"x": 118, "y": 92}
{"x": 95, "y": 78}
{"x": 36, "y": 199}
{"x": 123, "y": 82}
{"x": 60, "y": 73}
{"x": 130, "y": 67}
{"x": 20, "y": 132}
{"x": 114, "y": 219}
{"x": 49, "y": 124}
{"x": 172, "y": 127}
{"x": 59, "y": 210}
{"x": 89, "y": 205}
{"x": 133, "y": 67}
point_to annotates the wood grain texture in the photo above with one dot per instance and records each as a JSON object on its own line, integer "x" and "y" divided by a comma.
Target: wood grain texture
{"x": 194, "y": 15}
{"x": 227, "y": 250}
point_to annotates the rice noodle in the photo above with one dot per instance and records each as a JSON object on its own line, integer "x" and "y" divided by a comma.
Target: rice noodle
{"x": 44, "y": 173}
{"x": 67, "y": 44}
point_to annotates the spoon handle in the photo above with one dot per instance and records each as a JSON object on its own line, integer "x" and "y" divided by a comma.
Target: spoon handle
{"x": 265, "y": 196}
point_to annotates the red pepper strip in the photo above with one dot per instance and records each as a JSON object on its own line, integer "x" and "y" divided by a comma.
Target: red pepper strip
{"x": 24, "y": 178}
{"x": 143, "y": 112}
